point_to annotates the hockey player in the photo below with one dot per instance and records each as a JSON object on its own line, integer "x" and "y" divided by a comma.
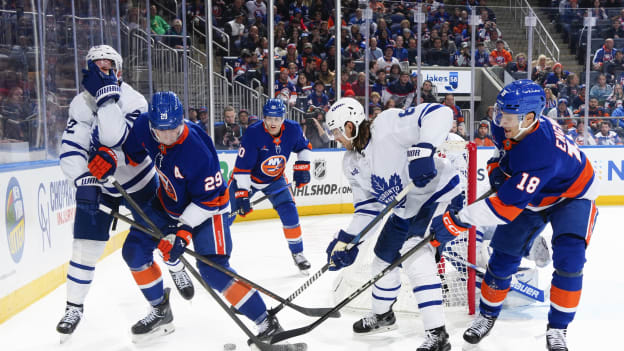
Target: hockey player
{"x": 193, "y": 204}
{"x": 382, "y": 158}
{"x": 260, "y": 166}
{"x": 99, "y": 120}
{"x": 547, "y": 179}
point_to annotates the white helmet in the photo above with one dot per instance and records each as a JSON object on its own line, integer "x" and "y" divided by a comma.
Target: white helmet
{"x": 345, "y": 110}
{"x": 100, "y": 52}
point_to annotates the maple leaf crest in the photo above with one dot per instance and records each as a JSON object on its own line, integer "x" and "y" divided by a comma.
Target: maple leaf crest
{"x": 386, "y": 191}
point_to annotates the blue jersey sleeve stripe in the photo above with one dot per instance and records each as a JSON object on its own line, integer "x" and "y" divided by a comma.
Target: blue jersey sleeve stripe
{"x": 72, "y": 153}
{"x": 365, "y": 202}
{"x": 491, "y": 207}
{"x": 76, "y": 145}
{"x": 427, "y": 110}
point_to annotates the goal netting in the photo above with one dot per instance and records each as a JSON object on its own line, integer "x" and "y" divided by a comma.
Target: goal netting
{"x": 457, "y": 282}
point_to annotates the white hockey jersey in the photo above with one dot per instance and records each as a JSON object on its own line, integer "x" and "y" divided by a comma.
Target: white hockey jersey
{"x": 89, "y": 127}
{"x": 380, "y": 172}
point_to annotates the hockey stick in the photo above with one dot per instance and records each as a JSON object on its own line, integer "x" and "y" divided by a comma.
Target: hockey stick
{"x": 303, "y": 330}
{"x": 261, "y": 345}
{"x": 522, "y": 288}
{"x": 485, "y": 195}
{"x": 313, "y": 312}
{"x": 354, "y": 242}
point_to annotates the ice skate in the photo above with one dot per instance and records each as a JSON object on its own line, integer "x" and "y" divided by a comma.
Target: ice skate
{"x": 479, "y": 328}
{"x": 157, "y": 322}
{"x": 435, "y": 340}
{"x": 302, "y": 263}
{"x": 556, "y": 339}
{"x": 69, "y": 322}
{"x": 375, "y": 323}
{"x": 183, "y": 283}
{"x": 269, "y": 327}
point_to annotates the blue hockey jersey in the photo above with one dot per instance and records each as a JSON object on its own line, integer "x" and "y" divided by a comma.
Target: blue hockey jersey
{"x": 543, "y": 168}
{"x": 191, "y": 185}
{"x": 263, "y": 156}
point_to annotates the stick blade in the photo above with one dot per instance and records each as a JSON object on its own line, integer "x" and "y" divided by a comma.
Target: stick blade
{"x": 318, "y": 312}
{"x": 290, "y": 334}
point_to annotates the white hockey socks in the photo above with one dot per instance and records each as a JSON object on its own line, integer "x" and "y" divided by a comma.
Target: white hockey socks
{"x": 81, "y": 270}
{"x": 422, "y": 271}
{"x": 386, "y": 290}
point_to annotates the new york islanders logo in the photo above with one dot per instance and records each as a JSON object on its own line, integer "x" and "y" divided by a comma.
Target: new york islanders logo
{"x": 386, "y": 191}
{"x": 274, "y": 165}
{"x": 167, "y": 186}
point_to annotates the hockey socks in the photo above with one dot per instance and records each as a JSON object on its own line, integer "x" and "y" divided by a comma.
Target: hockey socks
{"x": 496, "y": 282}
{"x": 293, "y": 237}
{"x": 567, "y": 281}
{"x": 149, "y": 279}
{"x": 81, "y": 270}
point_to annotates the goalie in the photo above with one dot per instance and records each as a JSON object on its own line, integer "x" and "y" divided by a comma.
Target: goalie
{"x": 381, "y": 159}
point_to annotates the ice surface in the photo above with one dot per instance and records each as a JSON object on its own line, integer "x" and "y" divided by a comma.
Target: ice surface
{"x": 261, "y": 254}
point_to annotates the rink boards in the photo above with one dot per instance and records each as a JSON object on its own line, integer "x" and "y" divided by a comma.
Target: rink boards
{"x": 37, "y": 206}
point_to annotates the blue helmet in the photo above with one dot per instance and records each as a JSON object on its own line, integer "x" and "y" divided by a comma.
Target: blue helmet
{"x": 166, "y": 111}
{"x": 274, "y": 108}
{"x": 521, "y": 97}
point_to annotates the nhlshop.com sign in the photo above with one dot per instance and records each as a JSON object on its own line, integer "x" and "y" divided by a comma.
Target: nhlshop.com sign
{"x": 457, "y": 82}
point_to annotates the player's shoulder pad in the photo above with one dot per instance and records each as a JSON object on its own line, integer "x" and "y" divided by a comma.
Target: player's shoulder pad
{"x": 197, "y": 139}
{"x": 350, "y": 164}
{"x": 536, "y": 150}
{"x": 82, "y": 107}
{"x": 289, "y": 124}
{"x": 131, "y": 100}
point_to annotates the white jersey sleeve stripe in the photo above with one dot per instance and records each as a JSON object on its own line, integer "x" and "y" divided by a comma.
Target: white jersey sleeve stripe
{"x": 76, "y": 145}
{"x": 426, "y": 110}
{"x": 73, "y": 153}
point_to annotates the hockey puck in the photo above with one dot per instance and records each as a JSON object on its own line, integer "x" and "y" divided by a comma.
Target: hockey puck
{"x": 229, "y": 347}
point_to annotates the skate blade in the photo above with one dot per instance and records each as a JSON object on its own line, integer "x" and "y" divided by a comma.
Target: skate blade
{"x": 383, "y": 329}
{"x": 161, "y": 330}
{"x": 304, "y": 272}
{"x": 64, "y": 337}
{"x": 300, "y": 346}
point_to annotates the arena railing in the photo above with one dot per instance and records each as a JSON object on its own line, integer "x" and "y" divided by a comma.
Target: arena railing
{"x": 199, "y": 37}
{"x": 545, "y": 43}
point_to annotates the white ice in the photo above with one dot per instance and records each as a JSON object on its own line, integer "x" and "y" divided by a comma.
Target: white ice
{"x": 260, "y": 253}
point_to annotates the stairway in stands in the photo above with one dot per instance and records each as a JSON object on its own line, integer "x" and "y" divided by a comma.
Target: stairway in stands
{"x": 518, "y": 40}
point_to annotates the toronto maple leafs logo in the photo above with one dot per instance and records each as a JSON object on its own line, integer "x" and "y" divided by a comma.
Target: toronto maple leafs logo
{"x": 386, "y": 191}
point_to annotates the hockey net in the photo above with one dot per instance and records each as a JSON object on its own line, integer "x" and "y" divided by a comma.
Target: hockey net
{"x": 458, "y": 282}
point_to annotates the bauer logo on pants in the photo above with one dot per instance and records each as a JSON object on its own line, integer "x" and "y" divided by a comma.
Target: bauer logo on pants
{"x": 14, "y": 220}
{"x": 320, "y": 168}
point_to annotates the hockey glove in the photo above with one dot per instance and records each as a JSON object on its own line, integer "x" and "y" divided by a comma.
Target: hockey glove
{"x": 172, "y": 246}
{"x": 495, "y": 174}
{"x": 446, "y": 227}
{"x": 421, "y": 166}
{"x": 103, "y": 163}
{"x": 101, "y": 86}
{"x": 242, "y": 202}
{"x": 338, "y": 256}
{"x": 88, "y": 192}
{"x": 301, "y": 174}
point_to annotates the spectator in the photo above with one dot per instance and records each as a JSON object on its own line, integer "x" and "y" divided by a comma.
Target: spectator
{"x": 352, "y": 51}
{"x": 492, "y": 43}
{"x": 615, "y": 66}
{"x": 500, "y": 57}
{"x": 292, "y": 73}
{"x": 253, "y": 6}
{"x": 291, "y": 56}
{"x": 399, "y": 49}
{"x": 449, "y": 100}
{"x": 386, "y": 62}
{"x": 395, "y": 73}
{"x": 598, "y": 11}
{"x": 390, "y": 104}
{"x": 325, "y": 75}
{"x": 462, "y": 57}
{"x": 437, "y": 55}
{"x": 617, "y": 94}
{"x": 578, "y": 135}
{"x": 571, "y": 87}
{"x": 556, "y": 78}
{"x": 520, "y": 65}
{"x": 374, "y": 52}
{"x": 461, "y": 130}
{"x": 402, "y": 91}
{"x": 540, "y": 69}
{"x": 192, "y": 115}
{"x": 175, "y": 40}
{"x": 308, "y": 55}
{"x": 483, "y": 132}
{"x": 482, "y": 56}
{"x": 203, "y": 119}
{"x": 235, "y": 9}
{"x": 17, "y": 112}
{"x": 601, "y": 90}
{"x": 318, "y": 98}
{"x": 426, "y": 92}
{"x": 359, "y": 87}
{"x": 284, "y": 89}
{"x": 618, "y": 112}
{"x": 412, "y": 51}
{"x": 374, "y": 112}
{"x": 594, "y": 111}
{"x": 447, "y": 43}
{"x": 603, "y": 55}
{"x": 251, "y": 40}
{"x": 243, "y": 120}
{"x": 615, "y": 31}
{"x": 310, "y": 70}
{"x": 551, "y": 100}
{"x": 243, "y": 64}
{"x": 563, "y": 114}
{"x": 489, "y": 114}
{"x": 158, "y": 25}
{"x": 606, "y": 136}
{"x": 316, "y": 130}
{"x": 381, "y": 83}
{"x": 235, "y": 28}
{"x": 375, "y": 100}
{"x": 579, "y": 99}
{"x": 228, "y": 134}
{"x": 303, "y": 88}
